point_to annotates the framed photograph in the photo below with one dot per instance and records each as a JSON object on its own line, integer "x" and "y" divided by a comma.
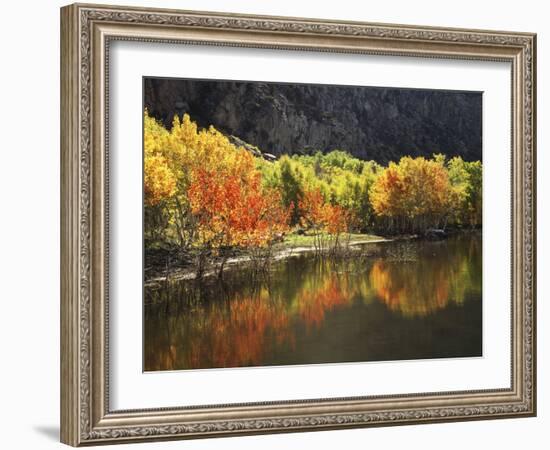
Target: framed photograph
{"x": 276, "y": 224}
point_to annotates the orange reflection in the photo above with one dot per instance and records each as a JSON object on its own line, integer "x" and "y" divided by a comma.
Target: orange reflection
{"x": 241, "y": 325}
{"x": 239, "y": 333}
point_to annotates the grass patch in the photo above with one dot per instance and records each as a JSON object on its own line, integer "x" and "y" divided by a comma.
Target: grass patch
{"x": 304, "y": 240}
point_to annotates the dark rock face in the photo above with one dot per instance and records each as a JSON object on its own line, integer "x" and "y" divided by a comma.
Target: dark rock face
{"x": 382, "y": 124}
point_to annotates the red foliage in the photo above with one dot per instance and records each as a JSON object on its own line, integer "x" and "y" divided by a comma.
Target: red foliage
{"x": 322, "y": 216}
{"x": 234, "y": 209}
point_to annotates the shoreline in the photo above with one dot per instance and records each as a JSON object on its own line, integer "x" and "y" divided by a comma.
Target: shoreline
{"x": 180, "y": 274}
{"x": 288, "y": 250}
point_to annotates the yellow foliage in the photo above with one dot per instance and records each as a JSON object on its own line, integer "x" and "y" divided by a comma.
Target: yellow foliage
{"x": 159, "y": 181}
{"x": 216, "y": 186}
{"x": 417, "y": 191}
{"x": 185, "y": 148}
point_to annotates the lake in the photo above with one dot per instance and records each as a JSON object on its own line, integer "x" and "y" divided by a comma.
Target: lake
{"x": 408, "y": 299}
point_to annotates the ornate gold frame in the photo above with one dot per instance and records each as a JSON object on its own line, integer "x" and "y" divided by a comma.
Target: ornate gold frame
{"x": 86, "y": 31}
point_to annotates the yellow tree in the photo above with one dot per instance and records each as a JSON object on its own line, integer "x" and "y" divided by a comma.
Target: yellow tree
{"x": 413, "y": 195}
{"x": 211, "y": 189}
{"x": 159, "y": 181}
{"x": 172, "y": 159}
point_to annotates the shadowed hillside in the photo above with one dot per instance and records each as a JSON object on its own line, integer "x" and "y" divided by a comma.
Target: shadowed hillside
{"x": 378, "y": 124}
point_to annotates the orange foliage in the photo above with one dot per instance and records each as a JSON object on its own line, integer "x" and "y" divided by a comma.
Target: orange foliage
{"x": 402, "y": 290}
{"x": 232, "y": 207}
{"x": 313, "y": 304}
{"x": 238, "y": 333}
{"x": 320, "y": 215}
{"x": 387, "y": 193}
{"x": 416, "y": 190}
{"x": 212, "y": 184}
{"x": 241, "y": 332}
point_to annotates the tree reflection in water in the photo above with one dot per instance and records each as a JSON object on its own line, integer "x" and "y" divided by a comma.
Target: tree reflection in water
{"x": 242, "y": 323}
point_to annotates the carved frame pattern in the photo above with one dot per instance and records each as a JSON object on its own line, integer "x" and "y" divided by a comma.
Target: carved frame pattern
{"x": 86, "y": 418}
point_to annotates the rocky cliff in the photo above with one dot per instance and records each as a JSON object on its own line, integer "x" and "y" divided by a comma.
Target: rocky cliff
{"x": 371, "y": 123}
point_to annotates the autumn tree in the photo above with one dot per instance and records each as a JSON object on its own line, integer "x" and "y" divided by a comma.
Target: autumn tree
{"x": 159, "y": 181}
{"x": 205, "y": 195}
{"x": 322, "y": 218}
{"x": 413, "y": 195}
{"x": 342, "y": 179}
{"x": 183, "y": 163}
{"x": 233, "y": 209}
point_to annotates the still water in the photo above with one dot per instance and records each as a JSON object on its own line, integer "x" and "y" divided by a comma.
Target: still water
{"x": 389, "y": 301}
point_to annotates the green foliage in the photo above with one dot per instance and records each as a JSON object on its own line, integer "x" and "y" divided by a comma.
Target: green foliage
{"x": 288, "y": 178}
{"x": 342, "y": 179}
{"x": 362, "y": 196}
{"x": 417, "y": 193}
{"x": 466, "y": 178}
